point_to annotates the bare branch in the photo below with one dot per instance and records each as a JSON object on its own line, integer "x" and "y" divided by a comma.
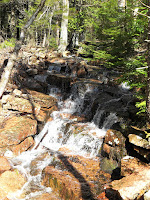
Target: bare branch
{"x": 144, "y": 4}
{"x": 41, "y": 5}
{"x": 43, "y": 13}
{"x": 30, "y": 21}
{"x": 141, "y": 13}
{"x": 142, "y": 68}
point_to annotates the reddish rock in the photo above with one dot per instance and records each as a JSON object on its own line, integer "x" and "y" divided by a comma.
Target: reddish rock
{"x": 27, "y": 144}
{"x": 114, "y": 145}
{"x": 45, "y": 113}
{"x": 114, "y": 138}
{"x": 130, "y": 165}
{"x": 75, "y": 177}
{"x": 4, "y": 164}
{"x": 39, "y": 105}
{"x": 113, "y": 150}
{"x": 45, "y": 101}
{"x": 107, "y": 148}
{"x": 20, "y": 104}
{"x": 16, "y": 129}
{"x": 102, "y": 196}
{"x": 62, "y": 183}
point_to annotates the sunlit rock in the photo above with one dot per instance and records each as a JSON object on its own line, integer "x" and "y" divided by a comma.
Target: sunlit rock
{"x": 138, "y": 141}
{"x": 45, "y": 101}
{"x": 58, "y": 60}
{"x": 46, "y": 196}
{"x": 10, "y": 182}
{"x": 25, "y": 145}
{"x": 16, "y": 129}
{"x": 75, "y": 177}
{"x": 131, "y": 165}
{"x": 102, "y": 196}
{"x": 147, "y": 195}
{"x": 39, "y": 105}
{"x": 20, "y": 104}
{"x": 4, "y": 164}
{"x": 130, "y": 187}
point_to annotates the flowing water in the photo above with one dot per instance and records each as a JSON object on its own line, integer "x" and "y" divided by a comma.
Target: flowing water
{"x": 58, "y": 133}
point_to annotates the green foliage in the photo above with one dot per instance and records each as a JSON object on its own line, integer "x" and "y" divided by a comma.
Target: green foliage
{"x": 147, "y": 134}
{"x": 6, "y": 43}
{"x": 141, "y": 106}
{"x": 52, "y": 43}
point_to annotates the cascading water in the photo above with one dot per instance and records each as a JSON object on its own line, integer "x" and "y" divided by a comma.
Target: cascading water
{"x": 63, "y": 131}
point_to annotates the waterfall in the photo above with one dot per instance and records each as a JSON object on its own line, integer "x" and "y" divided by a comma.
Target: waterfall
{"x": 64, "y": 131}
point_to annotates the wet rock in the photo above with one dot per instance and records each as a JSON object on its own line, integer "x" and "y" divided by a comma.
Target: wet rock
{"x": 15, "y": 130}
{"x": 10, "y": 182}
{"x": 32, "y": 84}
{"x": 108, "y": 165}
{"x": 113, "y": 150}
{"x": 4, "y": 164}
{"x": 60, "y": 81}
{"x": 82, "y": 72}
{"x": 41, "y": 78}
{"x": 75, "y": 177}
{"x": 34, "y": 166}
{"x": 32, "y": 72}
{"x": 62, "y": 183}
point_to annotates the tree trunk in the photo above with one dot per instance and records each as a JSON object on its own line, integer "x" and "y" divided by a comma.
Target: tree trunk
{"x": 31, "y": 20}
{"x": 148, "y": 78}
{"x": 44, "y": 38}
{"x": 64, "y": 27}
{"x": 57, "y": 32}
{"x": 122, "y": 3}
{"x": 7, "y": 71}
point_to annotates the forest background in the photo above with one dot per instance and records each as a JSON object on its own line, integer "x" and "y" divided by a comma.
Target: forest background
{"x": 109, "y": 33}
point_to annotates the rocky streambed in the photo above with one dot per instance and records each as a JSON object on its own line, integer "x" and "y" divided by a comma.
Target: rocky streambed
{"x": 67, "y": 132}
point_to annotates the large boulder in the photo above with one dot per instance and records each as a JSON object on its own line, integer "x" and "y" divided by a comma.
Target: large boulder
{"x": 75, "y": 177}
{"x": 39, "y": 105}
{"x": 15, "y": 130}
{"x": 135, "y": 183}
